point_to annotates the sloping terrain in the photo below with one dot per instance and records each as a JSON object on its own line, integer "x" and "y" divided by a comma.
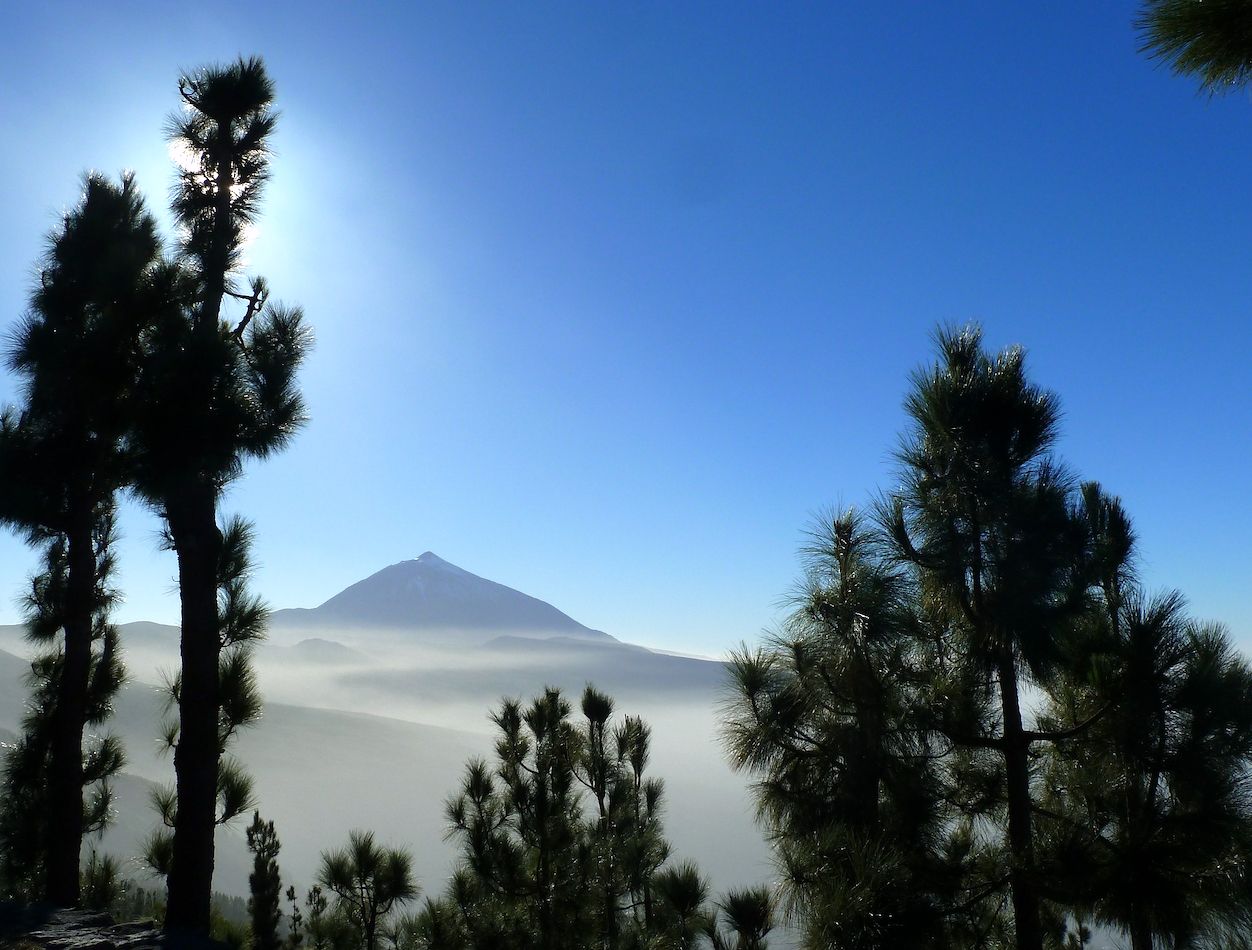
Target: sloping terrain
{"x": 427, "y": 595}
{"x": 321, "y": 772}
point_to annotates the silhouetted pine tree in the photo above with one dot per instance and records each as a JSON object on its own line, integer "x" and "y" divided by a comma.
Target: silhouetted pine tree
{"x": 682, "y": 915}
{"x": 264, "y": 884}
{"x": 525, "y": 870}
{"x": 368, "y": 882}
{"x": 295, "y": 926}
{"x": 744, "y": 920}
{"x": 562, "y": 843}
{"x": 27, "y": 815}
{"x": 849, "y": 779}
{"x": 323, "y": 929}
{"x": 1149, "y": 817}
{"x": 627, "y": 846}
{"x": 887, "y": 728}
{"x": 212, "y": 393}
{"x": 984, "y": 519}
{"x": 61, "y": 463}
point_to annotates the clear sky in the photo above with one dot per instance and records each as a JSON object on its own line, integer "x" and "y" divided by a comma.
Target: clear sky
{"x": 611, "y": 298}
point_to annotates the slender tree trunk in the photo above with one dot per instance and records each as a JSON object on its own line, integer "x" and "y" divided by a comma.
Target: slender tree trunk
{"x": 1140, "y": 931}
{"x": 192, "y": 516}
{"x": 607, "y": 869}
{"x": 866, "y": 773}
{"x": 1021, "y": 841}
{"x": 197, "y": 542}
{"x": 65, "y": 771}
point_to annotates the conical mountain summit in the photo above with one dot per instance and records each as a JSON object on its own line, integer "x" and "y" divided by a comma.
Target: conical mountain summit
{"x": 429, "y": 594}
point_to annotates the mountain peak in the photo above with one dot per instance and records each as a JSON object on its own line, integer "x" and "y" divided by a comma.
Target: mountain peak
{"x": 429, "y": 559}
{"x": 429, "y": 593}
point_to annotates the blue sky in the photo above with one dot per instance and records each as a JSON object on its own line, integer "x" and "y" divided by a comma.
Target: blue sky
{"x": 611, "y": 298}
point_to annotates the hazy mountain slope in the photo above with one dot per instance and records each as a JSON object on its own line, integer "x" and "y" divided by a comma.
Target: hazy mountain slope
{"x": 320, "y": 773}
{"x": 138, "y": 710}
{"x": 13, "y": 672}
{"x": 429, "y": 594}
{"x": 135, "y": 820}
{"x": 516, "y": 666}
{"x": 13, "y": 638}
{"x": 142, "y": 637}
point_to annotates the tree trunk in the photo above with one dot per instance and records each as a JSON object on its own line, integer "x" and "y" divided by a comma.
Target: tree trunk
{"x": 1140, "y": 932}
{"x": 865, "y": 773}
{"x": 197, "y": 542}
{"x": 1021, "y": 843}
{"x": 65, "y": 769}
{"x": 192, "y": 514}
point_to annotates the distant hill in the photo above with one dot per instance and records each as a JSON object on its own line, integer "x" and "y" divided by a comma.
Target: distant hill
{"x": 317, "y": 650}
{"x": 429, "y": 595}
{"x": 141, "y": 635}
{"x": 521, "y": 667}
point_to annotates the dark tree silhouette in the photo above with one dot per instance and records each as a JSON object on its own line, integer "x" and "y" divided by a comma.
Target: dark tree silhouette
{"x": 518, "y": 825}
{"x": 61, "y": 464}
{"x": 828, "y": 717}
{"x": 1210, "y": 40}
{"x": 1151, "y": 814}
{"x": 295, "y": 925}
{"x": 562, "y": 843}
{"x": 368, "y": 882}
{"x": 889, "y": 733}
{"x": 681, "y": 895}
{"x": 27, "y": 815}
{"x": 264, "y": 884}
{"x": 745, "y": 919}
{"x": 242, "y": 618}
{"x": 212, "y": 393}
{"x": 984, "y": 519}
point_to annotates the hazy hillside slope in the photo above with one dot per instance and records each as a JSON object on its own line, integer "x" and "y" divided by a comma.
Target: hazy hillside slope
{"x": 321, "y": 772}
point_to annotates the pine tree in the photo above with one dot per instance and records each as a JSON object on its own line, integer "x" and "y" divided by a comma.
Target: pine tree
{"x": 319, "y": 927}
{"x": 562, "y": 841}
{"x": 62, "y": 461}
{"x": 627, "y": 844}
{"x": 368, "y": 882}
{"x": 264, "y": 884}
{"x": 985, "y": 520}
{"x": 212, "y": 393}
{"x": 829, "y": 718}
{"x": 26, "y": 809}
{"x": 889, "y": 734}
{"x": 1149, "y": 816}
{"x": 295, "y": 926}
{"x": 519, "y": 830}
{"x": 1211, "y": 40}
{"x": 746, "y": 918}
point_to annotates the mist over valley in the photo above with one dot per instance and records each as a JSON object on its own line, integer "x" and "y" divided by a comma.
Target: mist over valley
{"x": 376, "y": 700}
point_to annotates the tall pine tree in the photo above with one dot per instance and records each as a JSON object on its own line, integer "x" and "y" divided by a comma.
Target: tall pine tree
{"x": 827, "y": 718}
{"x": 62, "y": 461}
{"x": 984, "y": 519}
{"x": 264, "y": 884}
{"x": 213, "y": 392}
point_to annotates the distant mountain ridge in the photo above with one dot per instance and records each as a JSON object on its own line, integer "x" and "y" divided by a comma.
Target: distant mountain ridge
{"x": 431, "y": 595}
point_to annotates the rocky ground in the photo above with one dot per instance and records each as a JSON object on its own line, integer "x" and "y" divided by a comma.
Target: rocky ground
{"x": 42, "y": 929}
